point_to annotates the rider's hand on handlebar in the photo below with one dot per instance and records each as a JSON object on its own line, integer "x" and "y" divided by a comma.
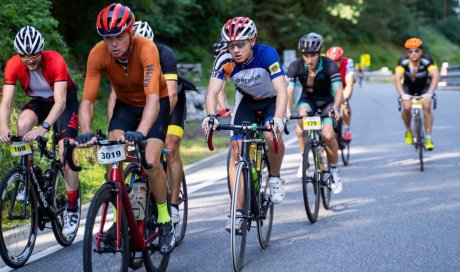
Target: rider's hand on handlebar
{"x": 278, "y": 124}
{"x": 288, "y": 114}
{"x": 132, "y": 137}
{"x": 205, "y": 123}
{"x": 334, "y": 114}
{"x": 405, "y": 96}
{"x": 33, "y": 134}
{"x": 428, "y": 95}
{"x": 5, "y": 136}
{"x": 86, "y": 139}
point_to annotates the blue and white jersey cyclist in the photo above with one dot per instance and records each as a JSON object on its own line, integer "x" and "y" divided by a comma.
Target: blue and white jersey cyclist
{"x": 261, "y": 86}
{"x": 321, "y": 88}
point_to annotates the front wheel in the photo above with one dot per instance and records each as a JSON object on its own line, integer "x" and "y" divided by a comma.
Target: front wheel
{"x": 266, "y": 208}
{"x": 345, "y": 150}
{"x": 60, "y": 202}
{"x": 326, "y": 189}
{"x": 100, "y": 252}
{"x": 419, "y": 145}
{"x": 18, "y": 228}
{"x": 183, "y": 208}
{"x": 311, "y": 181}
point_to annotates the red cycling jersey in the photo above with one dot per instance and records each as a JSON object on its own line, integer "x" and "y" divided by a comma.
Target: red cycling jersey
{"x": 54, "y": 69}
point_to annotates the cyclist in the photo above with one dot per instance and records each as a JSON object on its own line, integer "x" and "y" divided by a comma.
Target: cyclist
{"x": 220, "y": 48}
{"x": 347, "y": 73}
{"x": 259, "y": 77}
{"x": 45, "y": 78}
{"x": 132, "y": 65}
{"x": 416, "y": 73}
{"x": 321, "y": 88}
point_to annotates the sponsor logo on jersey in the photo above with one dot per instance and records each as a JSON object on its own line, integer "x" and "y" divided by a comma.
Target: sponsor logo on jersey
{"x": 274, "y": 68}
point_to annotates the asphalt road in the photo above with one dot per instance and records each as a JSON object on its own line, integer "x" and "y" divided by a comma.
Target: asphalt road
{"x": 389, "y": 217}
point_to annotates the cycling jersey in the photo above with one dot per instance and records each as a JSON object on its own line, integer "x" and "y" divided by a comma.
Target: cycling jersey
{"x": 327, "y": 77}
{"x": 168, "y": 62}
{"x": 132, "y": 82}
{"x": 346, "y": 68}
{"x": 419, "y": 81}
{"x": 254, "y": 77}
{"x": 53, "y": 69}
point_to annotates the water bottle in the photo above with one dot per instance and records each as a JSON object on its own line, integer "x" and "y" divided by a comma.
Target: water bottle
{"x": 259, "y": 159}
{"x": 252, "y": 152}
{"x": 140, "y": 191}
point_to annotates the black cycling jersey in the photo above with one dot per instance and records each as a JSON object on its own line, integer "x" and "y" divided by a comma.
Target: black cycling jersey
{"x": 419, "y": 81}
{"x": 327, "y": 77}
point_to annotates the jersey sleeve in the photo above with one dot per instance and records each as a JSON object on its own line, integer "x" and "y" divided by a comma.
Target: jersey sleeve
{"x": 272, "y": 63}
{"x": 399, "y": 66}
{"x": 59, "y": 67}
{"x": 93, "y": 76}
{"x": 168, "y": 62}
{"x": 150, "y": 59}
{"x": 291, "y": 74}
{"x": 218, "y": 68}
{"x": 11, "y": 72}
{"x": 336, "y": 79}
{"x": 431, "y": 65}
{"x": 350, "y": 69}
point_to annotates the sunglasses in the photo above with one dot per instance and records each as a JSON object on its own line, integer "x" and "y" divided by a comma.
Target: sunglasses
{"x": 30, "y": 57}
{"x": 412, "y": 51}
{"x": 239, "y": 44}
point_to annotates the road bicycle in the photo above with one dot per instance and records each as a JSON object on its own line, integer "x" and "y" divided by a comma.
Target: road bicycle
{"x": 31, "y": 198}
{"x": 316, "y": 176}
{"x": 136, "y": 238}
{"x": 134, "y": 172}
{"x": 251, "y": 176}
{"x": 418, "y": 140}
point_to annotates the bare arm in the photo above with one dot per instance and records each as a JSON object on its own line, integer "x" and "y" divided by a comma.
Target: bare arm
{"x": 172, "y": 92}
{"x": 85, "y": 115}
{"x": 279, "y": 84}
{"x": 221, "y": 98}
{"x": 350, "y": 81}
{"x": 434, "y": 80}
{"x": 5, "y": 112}
{"x": 290, "y": 92}
{"x": 150, "y": 113}
{"x": 398, "y": 82}
{"x": 338, "y": 90}
{"x": 215, "y": 84}
{"x": 111, "y": 105}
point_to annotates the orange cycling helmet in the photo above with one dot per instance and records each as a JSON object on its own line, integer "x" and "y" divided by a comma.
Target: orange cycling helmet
{"x": 114, "y": 20}
{"x": 413, "y": 43}
{"x": 335, "y": 53}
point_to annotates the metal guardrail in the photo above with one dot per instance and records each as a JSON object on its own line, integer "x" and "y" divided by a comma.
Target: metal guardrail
{"x": 451, "y": 76}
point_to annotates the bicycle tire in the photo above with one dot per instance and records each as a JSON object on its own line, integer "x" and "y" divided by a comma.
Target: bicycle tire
{"x": 311, "y": 181}
{"x": 105, "y": 197}
{"x": 345, "y": 150}
{"x": 264, "y": 226}
{"x": 21, "y": 230}
{"x": 238, "y": 238}
{"x": 60, "y": 201}
{"x": 229, "y": 154}
{"x": 153, "y": 259}
{"x": 326, "y": 191}
{"x": 181, "y": 227}
{"x": 419, "y": 145}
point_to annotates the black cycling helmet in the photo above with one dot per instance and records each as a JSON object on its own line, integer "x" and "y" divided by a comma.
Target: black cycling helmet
{"x": 219, "y": 46}
{"x": 311, "y": 43}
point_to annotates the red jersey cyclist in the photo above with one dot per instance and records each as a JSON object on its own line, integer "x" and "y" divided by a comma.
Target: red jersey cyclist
{"x": 141, "y": 110}
{"x": 347, "y": 73}
{"x": 259, "y": 77}
{"x": 416, "y": 73}
{"x": 45, "y": 78}
{"x": 321, "y": 88}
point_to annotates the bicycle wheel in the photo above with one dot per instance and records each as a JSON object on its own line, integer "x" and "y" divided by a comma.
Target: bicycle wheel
{"x": 183, "y": 208}
{"x": 264, "y": 225}
{"x": 326, "y": 189}
{"x": 345, "y": 150}
{"x": 229, "y": 154}
{"x": 99, "y": 247}
{"x": 60, "y": 203}
{"x": 153, "y": 259}
{"x": 310, "y": 181}
{"x": 18, "y": 228}
{"x": 238, "y": 237}
{"x": 419, "y": 145}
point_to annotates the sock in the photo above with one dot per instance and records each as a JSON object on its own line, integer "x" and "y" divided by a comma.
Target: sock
{"x": 175, "y": 206}
{"x": 333, "y": 165}
{"x": 72, "y": 196}
{"x": 428, "y": 137}
{"x": 163, "y": 214}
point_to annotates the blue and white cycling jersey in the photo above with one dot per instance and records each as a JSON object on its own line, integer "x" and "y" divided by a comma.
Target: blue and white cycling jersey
{"x": 255, "y": 76}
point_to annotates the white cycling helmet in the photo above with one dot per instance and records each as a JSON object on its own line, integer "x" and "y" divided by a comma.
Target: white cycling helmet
{"x": 143, "y": 29}
{"x": 311, "y": 43}
{"x": 28, "y": 41}
{"x": 238, "y": 29}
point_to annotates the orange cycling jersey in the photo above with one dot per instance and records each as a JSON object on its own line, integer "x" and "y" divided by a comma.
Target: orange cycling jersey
{"x": 143, "y": 74}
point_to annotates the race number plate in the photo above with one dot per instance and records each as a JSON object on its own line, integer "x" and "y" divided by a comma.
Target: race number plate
{"x": 416, "y": 104}
{"x": 20, "y": 149}
{"x": 110, "y": 154}
{"x": 312, "y": 123}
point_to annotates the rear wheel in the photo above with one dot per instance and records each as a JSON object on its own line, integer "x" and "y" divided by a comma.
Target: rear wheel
{"x": 18, "y": 228}
{"x": 345, "y": 150}
{"x": 238, "y": 237}
{"x": 264, "y": 225}
{"x": 100, "y": 251}
{"x": 60, "y": 203}
{"x": 310, "y": 181}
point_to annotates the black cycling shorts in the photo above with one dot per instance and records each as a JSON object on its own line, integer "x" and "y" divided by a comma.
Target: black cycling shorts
{"x": 67, "y": 123}
{"x": 127, "y": 118}
{"x": 177, "y": 117}
{"x": 314, "y": 104}
{"x": 246, "y": 110}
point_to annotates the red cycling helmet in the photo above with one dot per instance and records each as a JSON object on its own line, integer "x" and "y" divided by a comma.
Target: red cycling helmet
{"x": 335, "y": 53}
{"x": 238, "y": 29}
{"x": 114, "y": 20}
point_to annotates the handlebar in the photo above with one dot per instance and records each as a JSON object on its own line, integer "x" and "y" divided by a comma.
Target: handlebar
{"x": 41, "y": 143}
{"x": 434, "y": 98}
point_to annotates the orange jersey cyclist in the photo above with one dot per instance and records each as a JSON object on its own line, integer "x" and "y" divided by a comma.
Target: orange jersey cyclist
{"x": 321, "y": 88}
{"x": 45, "y": 78}
{"x": 259, "y": 77}
{"x": 347, "y": 73}
{"x": 141, "y": 111}
{"x": 416, "y": 74}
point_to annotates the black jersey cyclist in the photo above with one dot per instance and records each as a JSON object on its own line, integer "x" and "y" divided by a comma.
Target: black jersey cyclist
{"x": 416, "y": 73}
{"x": 321, "y": 88}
